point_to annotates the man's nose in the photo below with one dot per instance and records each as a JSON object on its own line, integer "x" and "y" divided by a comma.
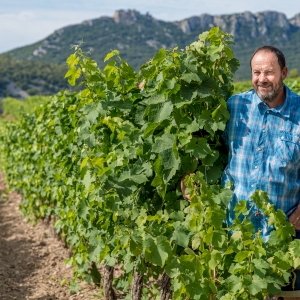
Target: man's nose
{"x": 262, "y": 77}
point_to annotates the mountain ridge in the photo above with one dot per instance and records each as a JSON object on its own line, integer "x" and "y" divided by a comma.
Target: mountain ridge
{"x": 138, "y": 36}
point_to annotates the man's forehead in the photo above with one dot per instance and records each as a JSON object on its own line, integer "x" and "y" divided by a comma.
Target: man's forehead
{"x": 263, "y": 54}
{"x": 267, "y": 58}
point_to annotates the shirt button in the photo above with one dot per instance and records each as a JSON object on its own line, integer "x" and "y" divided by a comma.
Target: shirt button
{"x": 264, "y": 130}
{"x": 282, "y": 137}
{"x": 258, "y": 149}
{"x": 256, "y": 167}
{"x": 268, "y": 111}
{"x": 252, "y": 185}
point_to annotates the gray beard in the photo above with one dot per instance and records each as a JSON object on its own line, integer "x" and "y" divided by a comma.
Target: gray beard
{"x": 270, "y": 97}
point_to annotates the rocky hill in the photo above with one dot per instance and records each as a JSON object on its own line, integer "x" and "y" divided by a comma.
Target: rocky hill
{"x": 251, "y": 31}
{"x": 139, "y": 36}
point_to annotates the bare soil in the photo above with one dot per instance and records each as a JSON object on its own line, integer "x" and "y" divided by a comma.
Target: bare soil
{"x": 32, "y": 258}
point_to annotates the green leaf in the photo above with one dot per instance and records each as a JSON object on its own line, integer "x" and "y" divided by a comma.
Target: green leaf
{"x": 83, "y": 163}
{"x": 197, "y": 239}
{"x": 155, "y": 99}
{"x": 234, "y": 283}
{"x": 169, "y": 160}
{"x": 170, "y": 83}
{"x": 92, "y": 116}
{"x": 72, "y": 60}
{"x": 192, "y": 127}
{"x": 95, "y": 251}
{"x": 189, "y": 77}
{"x": 187, "y": 95}
{"x": 257, "y": 285}
{"x": 83, "y": 210}
{"x": 210, "y": 159}
{"x": 236, "y": 268}
{"x": 199, "y": 147}
{"x": 199, "y": 290}
{"x": 204, "y": 91}
{"x": 294, "y": 249}
{"x": 203, "y": 36}
{"x": 241, "y": 207}
{"x": 282, "y": 261}
{"x": 177, "y": 216}
{"x": 158, "y": 169}
{"x": 137, "y": 173}
{"x": 73, "y": 74}
{"x": 219, "y": 238}
{"x": 159, "y": 56}
{"x": 242, "y": 255}
{"x": 87, "y": 180}
{"x": 180, "y": 235}
{"x": 138, "y": 178}
{"x": 209, "y": 235}
{"x": 135, "y": 245}
{"x": 223, "y": 197}
{"x": 160, "y": 112}
{"x": 172, "y": 267}
{"x": 260, "y": 267}
{"x": 157, "y": 250}
{"x": 150, "y": 129}
{"x": 74, "y": 286}
{"x": 190, "y": 63}
{"x": 110, "y": 261}
{"x": 215, "y": 259}
{"x": 111, "y": 54}
{"x": 163, "y": 143}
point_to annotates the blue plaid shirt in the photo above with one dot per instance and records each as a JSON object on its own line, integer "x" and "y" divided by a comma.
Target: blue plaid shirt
{"x": 264, "y": 153}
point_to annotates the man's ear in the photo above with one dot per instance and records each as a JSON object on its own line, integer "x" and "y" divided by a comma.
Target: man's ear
{"x": 284, "y": 73}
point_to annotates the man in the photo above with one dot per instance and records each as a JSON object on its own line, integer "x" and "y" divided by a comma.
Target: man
{"x": 263, "y": 138}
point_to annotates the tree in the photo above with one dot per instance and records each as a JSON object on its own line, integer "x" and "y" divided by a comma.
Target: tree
{"x": 293, "y": 73}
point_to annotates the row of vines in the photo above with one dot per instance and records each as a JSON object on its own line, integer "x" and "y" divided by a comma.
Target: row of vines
{"x": 106, "y": 163}
{"x": 15, "y": 108}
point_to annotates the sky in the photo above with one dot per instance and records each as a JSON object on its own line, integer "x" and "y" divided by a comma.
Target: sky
{"x": 24, "y": 22}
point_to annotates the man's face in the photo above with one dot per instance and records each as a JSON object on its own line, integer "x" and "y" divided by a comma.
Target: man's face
{"x": 267, "y": 77}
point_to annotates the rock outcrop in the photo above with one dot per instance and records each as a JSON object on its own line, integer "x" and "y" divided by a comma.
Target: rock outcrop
{"x": 295, "y": 20}
{"x": 129, "y": 17}
{"x": 258, "y": 24}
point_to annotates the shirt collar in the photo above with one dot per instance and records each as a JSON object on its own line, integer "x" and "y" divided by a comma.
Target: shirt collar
{"x": 285, "y": 110}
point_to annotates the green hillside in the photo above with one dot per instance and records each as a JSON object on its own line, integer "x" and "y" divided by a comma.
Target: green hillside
{"x": 24, "y": 77}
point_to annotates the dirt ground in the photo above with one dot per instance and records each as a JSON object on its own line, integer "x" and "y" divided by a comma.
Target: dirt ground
{"x": 32, "y": 258}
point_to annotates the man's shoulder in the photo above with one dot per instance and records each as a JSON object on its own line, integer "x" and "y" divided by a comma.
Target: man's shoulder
{"x": 292, "y": 94}
{"x": 241, "y": 98}
{"x": 293, "y": 101}
{"x": 246, "y": 94}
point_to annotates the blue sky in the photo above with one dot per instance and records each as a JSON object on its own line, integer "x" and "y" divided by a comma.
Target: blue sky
{"x": 23, "y": 22}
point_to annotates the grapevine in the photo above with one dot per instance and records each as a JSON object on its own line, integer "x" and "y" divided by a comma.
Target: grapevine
{"x": 107, "y": 163}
